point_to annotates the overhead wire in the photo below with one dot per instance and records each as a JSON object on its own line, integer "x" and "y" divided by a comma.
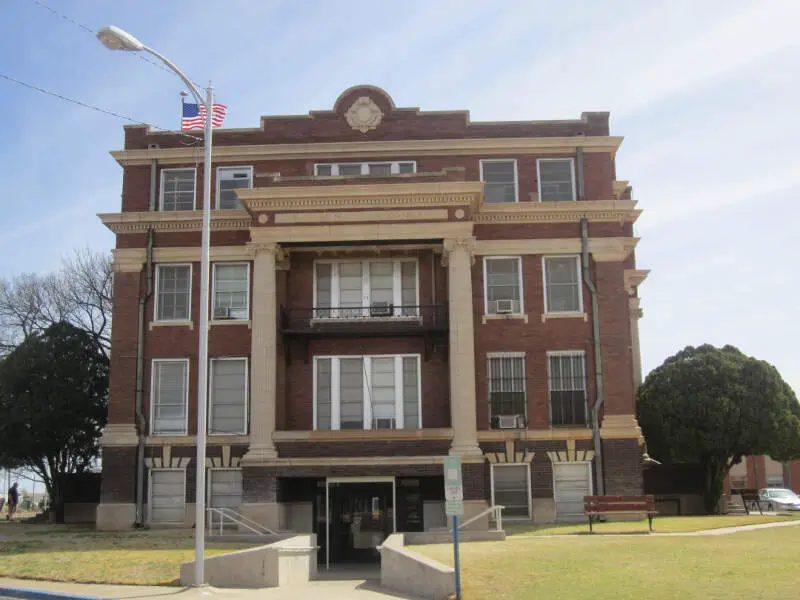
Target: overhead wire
{"x": 88, "y": 29}
{"x": 92, "y": 107}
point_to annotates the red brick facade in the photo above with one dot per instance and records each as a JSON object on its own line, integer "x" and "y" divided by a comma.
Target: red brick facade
{"x": 534, "y": 335}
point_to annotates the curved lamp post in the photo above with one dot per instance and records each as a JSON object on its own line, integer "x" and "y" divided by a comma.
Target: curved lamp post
{"x": 117, "y": 39}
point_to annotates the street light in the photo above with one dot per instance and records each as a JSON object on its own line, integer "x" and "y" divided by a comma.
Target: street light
{"x": 117, "y": 39}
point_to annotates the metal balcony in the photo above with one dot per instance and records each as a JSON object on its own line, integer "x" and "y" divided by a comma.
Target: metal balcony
{"x": 378, "y": 320}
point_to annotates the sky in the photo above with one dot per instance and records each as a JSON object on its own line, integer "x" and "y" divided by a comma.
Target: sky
{"x": 705, "y": 94}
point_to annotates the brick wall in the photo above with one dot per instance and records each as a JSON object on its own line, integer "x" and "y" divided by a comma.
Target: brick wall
{"x": 622, "y": 461}
{"x": 119, "y": 475}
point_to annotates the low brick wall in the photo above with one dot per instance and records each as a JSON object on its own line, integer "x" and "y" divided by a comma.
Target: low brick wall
{"x": 411, "y": 573}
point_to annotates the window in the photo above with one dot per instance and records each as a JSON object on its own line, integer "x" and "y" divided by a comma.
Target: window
{"x": 231, "y": 291}
{"x": 376, "y": 169}
{"x": 173, "y": 285}
{"x": 775, "y": 481}
{"x": 556, "y": 179}
{"x": 562, "y": 282}
{"x": 177, "y": 189}
{"x": 169, "y": 397}
{"x": 511, "y": 487}
{"x": 503, "y": 277}
{"x": 501, "y": 181}
{"x": 507, "y": 390}
{"x": 365, "y": 289}
{"x": 738, "y": 481}
{"x": 230, "y": 179}
{"x": 367, "y": 392}
{"x": 571, "y": 482}
{"x": 224, "y": 489}
{"x": 228, "y": 396}
{"x": 566, "y": 377}
{"x": 167, "y": 496}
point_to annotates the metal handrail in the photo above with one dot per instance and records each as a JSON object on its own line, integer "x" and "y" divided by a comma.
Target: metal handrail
{"x": 498, "y": 519}
{"x": 238, "y": 518}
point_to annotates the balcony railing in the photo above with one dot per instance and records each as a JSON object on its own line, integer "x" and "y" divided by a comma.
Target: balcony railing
{"x": 380, "y": 318}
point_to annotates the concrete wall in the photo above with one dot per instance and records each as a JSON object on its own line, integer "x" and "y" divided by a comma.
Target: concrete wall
{"x": 285, "y": 563}
{"x": 446, "y": 537}
{"x": 412, "y": 573}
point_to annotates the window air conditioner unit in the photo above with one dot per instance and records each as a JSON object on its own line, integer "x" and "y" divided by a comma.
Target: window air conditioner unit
{"x": 381, "y": 309}
{"x": 510, "y": 421}
{"x": 504, "y": 307}
{"x": 222, "y": 312}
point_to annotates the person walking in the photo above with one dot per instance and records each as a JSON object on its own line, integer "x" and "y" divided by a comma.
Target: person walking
{"x": 13, "y": 501}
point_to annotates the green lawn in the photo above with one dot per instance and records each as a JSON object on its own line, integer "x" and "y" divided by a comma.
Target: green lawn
{"x": 79, "y": 554}
{"x": 758, "y": 565}
{"x": 660, "y": 525}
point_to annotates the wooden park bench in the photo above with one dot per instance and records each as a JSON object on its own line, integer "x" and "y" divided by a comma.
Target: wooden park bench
{"x": 599, "y": 506}
{"x": 752, "y": 500}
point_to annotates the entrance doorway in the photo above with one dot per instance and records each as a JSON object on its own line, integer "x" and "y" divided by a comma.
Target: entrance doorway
{"x": 359, "y": 514}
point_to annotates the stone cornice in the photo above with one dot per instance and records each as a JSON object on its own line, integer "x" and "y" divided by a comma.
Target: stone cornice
{"x": 189, "y": 220}
{"x": 362, "y": 196}
{"x": 385, "y": 149}
{"x": 604, "y": 249}
{"x": 619, "y": 211}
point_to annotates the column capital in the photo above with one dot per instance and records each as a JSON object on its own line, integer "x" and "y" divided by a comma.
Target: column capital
{"x": 465, "y": 244}
{"x": 256, "y": 248}
{"x": 634, "y": 307}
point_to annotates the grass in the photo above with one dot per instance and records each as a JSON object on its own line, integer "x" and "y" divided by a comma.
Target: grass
{"x": 758, "y": 565}
{"x": 80, "y": 554}
{"x": 660, "y": 525}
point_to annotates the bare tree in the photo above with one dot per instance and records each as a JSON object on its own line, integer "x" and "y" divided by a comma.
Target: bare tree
{"x": 79, "y": 293}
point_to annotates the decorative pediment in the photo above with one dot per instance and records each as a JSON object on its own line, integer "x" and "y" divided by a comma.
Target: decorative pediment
{"x": 364, "y": 115}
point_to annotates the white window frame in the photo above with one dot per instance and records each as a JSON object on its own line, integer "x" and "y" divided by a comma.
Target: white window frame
{"x": 152, "y": 417}
{"x": 366, "y": 300}
{"x": 588, "y": 465}
{"x": 150, "y": 496}
{"x": 246, "y": 393}
{"x": 577, "y": 260}
{"x": 214, "y": 289}
{"x": 156, "y": 304}
{"x": 367, "y": 381}
{"x": 530, "y": 499}
{"x": 491, "y": 355}
{"x": 539, "y": 161}
{"x": 394, "y": 165}
{"x": 161, "y": 186}
{"x": 226, "y": 168}
{"x": 569, "y": 354}
{"x": 516, "y": 175}
{"x": 486, "y": 260}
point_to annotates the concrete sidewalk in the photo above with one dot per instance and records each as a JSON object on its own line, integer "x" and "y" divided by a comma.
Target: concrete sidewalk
{"x": 359, "y": 589}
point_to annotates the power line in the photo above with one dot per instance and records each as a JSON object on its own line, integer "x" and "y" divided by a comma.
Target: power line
{"x": 90, "y": 106}
{"x": 94, "y": 33}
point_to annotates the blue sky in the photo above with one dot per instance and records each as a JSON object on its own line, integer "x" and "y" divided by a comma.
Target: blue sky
{"x": 705, "y": 94}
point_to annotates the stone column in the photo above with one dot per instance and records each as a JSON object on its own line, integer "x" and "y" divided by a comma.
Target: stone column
{"x": 636, "y": 314}
{"x": 458, "y": 257}
{"x": 263, "y": 355}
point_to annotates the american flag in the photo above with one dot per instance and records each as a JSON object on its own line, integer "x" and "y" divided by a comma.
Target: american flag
{"x": 194, "y": 116}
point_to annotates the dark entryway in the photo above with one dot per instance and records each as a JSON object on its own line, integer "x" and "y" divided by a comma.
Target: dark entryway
{"x": 361, "y": 517}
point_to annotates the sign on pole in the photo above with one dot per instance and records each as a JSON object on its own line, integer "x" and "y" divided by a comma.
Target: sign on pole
{"x": 454, "y": 507}
{"x": 453, "y": 487}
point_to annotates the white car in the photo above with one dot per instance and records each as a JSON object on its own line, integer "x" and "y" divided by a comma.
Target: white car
{"x": 779, "y": 499}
